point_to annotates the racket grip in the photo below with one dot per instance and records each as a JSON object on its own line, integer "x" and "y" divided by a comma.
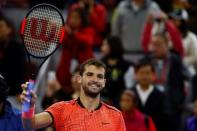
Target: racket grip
{"x": 27, "y": 105}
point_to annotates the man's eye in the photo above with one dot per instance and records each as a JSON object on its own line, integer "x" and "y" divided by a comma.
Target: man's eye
{"x": 100, "y": 76}
{"x": 89, "y": 74}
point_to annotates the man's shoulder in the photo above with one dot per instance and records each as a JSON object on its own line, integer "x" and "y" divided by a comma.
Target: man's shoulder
{"x": 111, "y": 108}
{"x": 122, "y": 5}
{"x": 70, "y": 102}
{"x": 62, "y": 104}
{"x": 154, "y": 5}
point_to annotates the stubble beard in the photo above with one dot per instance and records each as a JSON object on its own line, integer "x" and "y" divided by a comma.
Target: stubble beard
{"x": 91, "y": 93}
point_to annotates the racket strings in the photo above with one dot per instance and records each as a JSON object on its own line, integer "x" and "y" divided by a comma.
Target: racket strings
{"x": 43, "y": 31}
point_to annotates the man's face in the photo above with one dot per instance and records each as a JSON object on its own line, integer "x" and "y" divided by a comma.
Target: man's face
{"x": 159, "y": 47}
{"x": 75, "y": 84}
{"x": 92, "y": 80}
{"x": 105, "y": 48}
{"x": 75, "y": 20}
{"x": 126, "y": 103}
{"x": 145, "y": 75}
{"x": 4, "y": 30}
{"x": 177, "y": 22}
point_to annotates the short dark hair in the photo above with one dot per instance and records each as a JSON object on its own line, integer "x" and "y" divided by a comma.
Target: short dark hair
{"x": 144, "y": 62}
{"x": 83, "y": 16}
{"x": 92, "y": 61}
{"x": 131, "y": 94}
{"x": 115, "y": 44}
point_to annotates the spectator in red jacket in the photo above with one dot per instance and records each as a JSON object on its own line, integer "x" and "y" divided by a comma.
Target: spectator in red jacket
{"x": 97, "y": 16}
{"x": 171, "y": 29}
{"x": 134, "y": 119}
{"x": 78, "y": 42}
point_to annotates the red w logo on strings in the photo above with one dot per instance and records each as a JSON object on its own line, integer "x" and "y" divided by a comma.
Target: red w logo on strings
{"x": 40, "y": 29}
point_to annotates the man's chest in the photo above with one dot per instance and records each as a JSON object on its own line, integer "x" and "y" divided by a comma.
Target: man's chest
{"x": 88, "y": 121}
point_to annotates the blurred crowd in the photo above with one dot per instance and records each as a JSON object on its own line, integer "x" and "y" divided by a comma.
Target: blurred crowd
{"x": 149, "y": 47}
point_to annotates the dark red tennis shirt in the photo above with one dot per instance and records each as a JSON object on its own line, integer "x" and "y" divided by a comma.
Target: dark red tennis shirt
{"x": 72, "y": 116}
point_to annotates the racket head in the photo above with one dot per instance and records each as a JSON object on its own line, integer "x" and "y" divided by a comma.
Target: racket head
{"x": 42, "y": 30}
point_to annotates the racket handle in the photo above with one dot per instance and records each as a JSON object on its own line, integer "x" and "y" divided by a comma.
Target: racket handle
{"x": 27, "y": 105}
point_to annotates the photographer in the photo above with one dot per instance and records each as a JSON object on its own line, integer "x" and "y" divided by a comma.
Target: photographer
{"x": 169, "y": 27}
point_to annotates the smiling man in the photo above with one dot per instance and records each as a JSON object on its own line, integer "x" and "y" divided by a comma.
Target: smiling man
{"x": 87, "y": 113}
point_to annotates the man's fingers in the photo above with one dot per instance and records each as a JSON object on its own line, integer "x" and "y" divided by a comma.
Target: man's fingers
{"x": 34, "y": 97}
{"x": 25, "y": 93}
{"x": 28, "y": 96}
{"x": 33, "y": 94}
{"x": 23, "y": 98}
{"x": 24, "y": 86}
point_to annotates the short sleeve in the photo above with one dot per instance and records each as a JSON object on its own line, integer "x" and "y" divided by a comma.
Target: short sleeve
{"x": 56, "y": 111}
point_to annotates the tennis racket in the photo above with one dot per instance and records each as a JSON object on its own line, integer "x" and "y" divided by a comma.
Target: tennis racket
{"x": 42, "y": 32}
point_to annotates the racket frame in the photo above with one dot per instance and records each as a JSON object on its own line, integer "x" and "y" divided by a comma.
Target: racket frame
{"x": 23, "y": 24}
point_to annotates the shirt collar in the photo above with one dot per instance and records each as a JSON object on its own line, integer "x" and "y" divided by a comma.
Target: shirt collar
{"x": 148, "y": 91}
{"x": 81, "y": 105}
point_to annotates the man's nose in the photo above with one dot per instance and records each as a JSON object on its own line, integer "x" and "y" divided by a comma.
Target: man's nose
{"x": 94, "y": 78}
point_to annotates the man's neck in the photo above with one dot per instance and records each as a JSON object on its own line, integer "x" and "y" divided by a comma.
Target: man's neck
{"x": 144, "y": 87}
{"x": 90, "y": 103}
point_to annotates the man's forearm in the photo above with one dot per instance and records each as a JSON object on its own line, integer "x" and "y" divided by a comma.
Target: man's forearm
{"x": 28, "y": 124}
{"x": 28, "y": 119}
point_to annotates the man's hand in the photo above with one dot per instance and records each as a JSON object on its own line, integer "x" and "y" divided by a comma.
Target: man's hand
{"x": 30, "y": 120}
{"x": 163, "y": 16}
{"x": 25, "y": 93}
{"x": 150, "y": 18}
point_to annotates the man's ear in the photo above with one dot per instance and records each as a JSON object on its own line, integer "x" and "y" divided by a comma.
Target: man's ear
{"x": 104, "y": 82}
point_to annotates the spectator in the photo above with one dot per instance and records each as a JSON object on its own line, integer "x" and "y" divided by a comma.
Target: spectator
{"x": 175, "y": 36}
{"x": 189, "y": 39}
{"x": 117, "y": 68}
{"x": 10, "y": 118}
{"x": 191, "y": 122}
{"x": 129, "y": 20}
{"x": 97, "y": 16}
{"x": 12, "y": 57}
{"x": 151, "y": 100}
{"x": 53, "y": 92}
{"x": 75, "y": 84}
{"x": 78, "y": 42}
{"x": 134, "y": 119}
{"x": 170, "y": 76}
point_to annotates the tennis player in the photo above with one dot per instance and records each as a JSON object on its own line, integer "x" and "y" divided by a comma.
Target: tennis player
{"x": 87, "y": 113}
